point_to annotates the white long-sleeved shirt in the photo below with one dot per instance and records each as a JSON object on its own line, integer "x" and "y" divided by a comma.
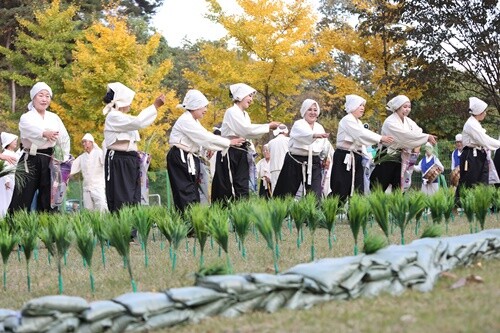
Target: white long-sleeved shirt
{"x": 236, "y": 122}
{"x": 91, "y": 165}
{"x": 407, "y": 134}
{"x": 262, "y": 168}
{"x": 474, "y": 135}
{"x": 189, "y": 135}
{"x": 278, "y": 147}
{"x": 301, "y": 139}
{"x": 31, "y": 128}
{"x": 120, "y": 126}
{"x": 352, "y": 135}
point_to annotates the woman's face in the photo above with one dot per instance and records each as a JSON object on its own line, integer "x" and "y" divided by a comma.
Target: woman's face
{"x": 405, "y": 109}
{"x": 246, "y": 102}
{"x": 13, "y": 145}
{"x": 41, "y": 100}
{"x": 481, "y": 116}
{"x": 311, "y": 114}
{"x": 358, "y": 113}
{"x": 199, "y": 113}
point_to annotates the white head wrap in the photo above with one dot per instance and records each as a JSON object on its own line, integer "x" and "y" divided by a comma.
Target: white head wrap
{"x": 458, "y": 137}
{"x": 7, "y": 139}
{"x": 89, "y": 137}
{"x": 240, "y": 91}
{"x": 39, "y": 86}
{"x": 306, "y": 105}
{"x": 123, "y": 96}
{"x": 193, "y": 100}
{"x": 476, "y": 106}
{"x": 280, "y": 129}
{"x": 352, "y": 102}
{"x": 397, "y": 102}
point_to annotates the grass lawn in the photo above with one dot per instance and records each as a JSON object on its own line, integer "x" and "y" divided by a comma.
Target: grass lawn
{"x": 473, "y": 308}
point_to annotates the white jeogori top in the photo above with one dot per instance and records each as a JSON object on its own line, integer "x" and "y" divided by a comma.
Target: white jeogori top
{"x": 352, "y": 135}
{"x": 31, "y": 128}
{"x": 406, "y": 133}
{"x": 120, "y": 126}
{"x": 474, "y": 135}
{"x": 91, "y": 165}
{"x": 189, "y": 135}
{"x": 236, "y": 123}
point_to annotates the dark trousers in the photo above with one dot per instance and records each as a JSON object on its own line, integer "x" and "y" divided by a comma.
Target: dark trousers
{"x": 474, "y": 170}
{"x": 385, "y": 174}
{"x": 290, "y": 176}
{"x": 341, "y": 179}
{"x": 185, "y": 188}
{"x": 123, "y": 184}
{"x": 38, "y": 178}
{"x": 221, "y": 183}
{"x": 263, "y": 193}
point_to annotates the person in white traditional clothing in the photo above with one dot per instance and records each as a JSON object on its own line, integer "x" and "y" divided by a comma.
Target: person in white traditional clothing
{"x": 186, "y": 139}
{"x": 455, "y": 155}
{"x": 122, "y": 164}
{"x": 232, "y": 170}
{"x": 403, "y": 151}
{"x": 278, "y": 148}
{"x": 352, "y": 139}
{"x": 307, "y": 152}
{"x": 40, "y": 132}
{"x": 263, "y": 173}
{"x": 7, "y": 182}
{"x": 91, "y": 164}
{"x": 425, "y": 166}
{"x": 475, "y": 160}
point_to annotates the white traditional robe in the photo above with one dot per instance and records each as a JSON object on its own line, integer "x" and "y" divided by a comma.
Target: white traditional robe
{"x": 237, "y": 122}
{"x": 7, "y": 181}
{"x": 278, "y": 148}
{"x": 407, "y": 134}
{"x": 474, "y": 136}
{"x": 120, "y": 126}
{"x": 91, "y": 165}
{"x": 352, "y": 135}
{"x": 31, "y": 127}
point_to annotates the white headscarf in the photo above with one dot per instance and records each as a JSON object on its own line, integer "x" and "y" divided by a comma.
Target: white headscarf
{"x": 352, "y": 102}
{"x": 39, "y": 86}
{"x": 240, "y": 91}
{"x": 306, "y": 105}
{"x": 123, "y": 96}
{"x": 89, "y": 137}
{"x": 280, "y": 129}
{"x": 7, "y": 139}
{"x": 458, "y": 137}
{"x": 476, "y": 106}
{"x": 395, "y": 103}
{"x": 193, "y": 100}
{"x": 428, "y": 147}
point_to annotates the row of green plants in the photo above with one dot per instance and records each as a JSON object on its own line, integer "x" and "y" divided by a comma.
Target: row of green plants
{"x": 88, "y": 230}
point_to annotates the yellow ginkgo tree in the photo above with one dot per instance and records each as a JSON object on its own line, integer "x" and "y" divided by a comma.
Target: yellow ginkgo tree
{"x": 109, "y": 52}
{"x": 270, "y": 46}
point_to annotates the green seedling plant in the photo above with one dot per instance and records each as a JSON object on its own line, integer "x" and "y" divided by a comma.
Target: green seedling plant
{"x": 85, "y": 243}
{"x": 28, "y": 223}
{"x": 278, "y": 211}
{"x": 468, "y": 200}
{"x": 299, "y": 216}
{"x": 63, "y": 236}
{"x": 417, "y": 203}
{"x": 260, "y": 217}
{"x": 143, "y": 222}
{"x": 314, "y": 217}
{"x": 330, "y": 209}
{"x": 197, "y": 215}
{"x": 178, "y": 230}
{"x": 483, "y": 198}
{"x": 432, "y": 231}
{"x": 240, "y": 217}
{"x": 7, "y": 242}
{"x": 357, "y": 213}
{"x": 436, "y": 204}
{"x": 448, "y": 205}
{"x": 373, "y": 243}
{"x": 118, "y": 230}
{"x": 379, "y": 206}
{"x": 97, "y": 222}
{"x": 218, "y": 227}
